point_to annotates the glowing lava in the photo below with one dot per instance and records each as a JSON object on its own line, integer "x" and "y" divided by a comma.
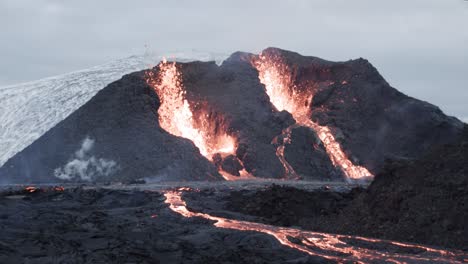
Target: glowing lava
{"x": 284, "y": 95}
{"x": 31, "y": 189}
{"x": 329, "y": 246}
{"x": 176, "y": 117}
{"x": 280, "y": 142}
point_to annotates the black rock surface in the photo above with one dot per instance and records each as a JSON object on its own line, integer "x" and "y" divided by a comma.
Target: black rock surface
{"x": 232, "y": 165}
{"x": 108, "y": 226}
{"x": 371, "y": 120}
{"x": 420, "y": 201}
{"x": 234, "y": 91}
{"x": 307, "y": 155}
{"x": 423, "y": 200}
{"x": 122, "y": 120}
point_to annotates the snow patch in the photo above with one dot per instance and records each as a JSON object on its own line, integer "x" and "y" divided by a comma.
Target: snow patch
{"x": 28, "y": 110}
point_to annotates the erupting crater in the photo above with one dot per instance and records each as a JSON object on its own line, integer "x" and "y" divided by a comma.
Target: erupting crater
{"x": 284, "y": 94}
{"x": 277, "y": 115}
{"x": 177, "y": 117}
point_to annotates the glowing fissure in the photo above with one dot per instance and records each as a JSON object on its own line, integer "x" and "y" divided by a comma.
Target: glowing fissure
{"x": 176, "y": 117}
{"x": 330, "y": 246}
{"x": 284, "y": 95}
{"x": 244, "y": 175}
{"x": 336, "y": 154}
{"x": 281, "y": 141}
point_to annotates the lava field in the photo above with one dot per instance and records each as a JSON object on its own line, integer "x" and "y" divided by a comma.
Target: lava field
{"x": 275, "y": 115}
{"x": 96, "y": 225}
{"x": 268, "y": 158}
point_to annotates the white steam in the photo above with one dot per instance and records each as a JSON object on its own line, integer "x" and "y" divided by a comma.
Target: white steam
{"x": 84, "y": 166}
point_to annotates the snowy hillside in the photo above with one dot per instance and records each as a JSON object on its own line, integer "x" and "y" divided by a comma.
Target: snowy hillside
{"x": 28, "y": 110}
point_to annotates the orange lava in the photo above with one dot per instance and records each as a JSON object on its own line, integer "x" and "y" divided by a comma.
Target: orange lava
{"x": 329, "y": 246}
{"x": 336, "y": 154}
{"x": 31, "y": 189}
{"x": 176, "y": 117}
{"x": 284, "y": 95}
{"x": 244, "y": 175}
{"x": 59, "y": 189}
{"x": 281, "y": 141}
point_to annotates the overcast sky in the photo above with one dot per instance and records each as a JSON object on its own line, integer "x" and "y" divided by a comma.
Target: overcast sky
{"x": 419, "y": 46}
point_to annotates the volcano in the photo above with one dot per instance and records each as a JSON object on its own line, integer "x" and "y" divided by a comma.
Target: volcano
{"x": 274, "y": 115}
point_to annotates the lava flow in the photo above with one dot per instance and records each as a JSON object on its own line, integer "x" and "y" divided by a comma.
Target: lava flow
{"x": 329, "y": 246}
{"x": 31, "y": 189}
{"x": 176, "y": 117}
{"x": 280, "y": 141}
{"x": 284, "y": 95}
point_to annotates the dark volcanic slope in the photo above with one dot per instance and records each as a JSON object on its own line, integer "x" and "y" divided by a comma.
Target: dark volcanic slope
{"x": 423, "y": 201}
{"x": 123, "y": 122}
{"x": 371, "y": 120}
{"x": 234, "y": 91}
{"x": 307, "y": 156}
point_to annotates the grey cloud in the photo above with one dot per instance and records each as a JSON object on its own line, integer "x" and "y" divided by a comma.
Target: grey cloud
{"x": 419, "y": 45}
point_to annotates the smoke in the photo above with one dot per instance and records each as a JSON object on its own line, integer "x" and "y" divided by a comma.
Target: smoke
{"x": 85, "y": 166}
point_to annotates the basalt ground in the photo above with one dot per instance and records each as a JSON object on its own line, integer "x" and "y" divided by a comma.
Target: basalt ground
{"x": 418, "y": 197}
{"x": 134, "y": 224}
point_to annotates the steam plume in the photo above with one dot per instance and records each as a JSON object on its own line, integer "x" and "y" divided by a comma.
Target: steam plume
{"x": 85, "y": 166}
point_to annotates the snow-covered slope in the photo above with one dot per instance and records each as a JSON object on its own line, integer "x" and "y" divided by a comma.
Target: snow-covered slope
{"x": 28, "y": 110}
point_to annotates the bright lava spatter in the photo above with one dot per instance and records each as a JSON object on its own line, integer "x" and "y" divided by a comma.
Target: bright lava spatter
{"x": 329, "y": 246}
{"x": 280, "y": 141}
{"x": 276, "y": 76}
{"x": 176, "y": 117}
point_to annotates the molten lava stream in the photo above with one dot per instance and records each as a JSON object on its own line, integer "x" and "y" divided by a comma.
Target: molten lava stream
{"x": 280, "y": 141}
{"x": 283, "y": 94}
{"x": 176, "y": 117}
{"x": 336, "y": 154}
{"x": 244, "y": 175}
{"x": 325, "y": 245}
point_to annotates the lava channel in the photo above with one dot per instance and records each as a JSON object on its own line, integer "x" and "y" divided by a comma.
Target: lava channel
{"x": 329, "y": 246}
{"x": 280, "y": 142}
{"x": 277, "y": 79}
{"x": 176, "y": 116}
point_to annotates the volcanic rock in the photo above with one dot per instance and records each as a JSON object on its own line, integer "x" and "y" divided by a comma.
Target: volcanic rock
{"x": 308, "y": 157}
{"x": 377, "y": 122}
{"x": 233, "y": 91}
{"x": 121, "y": 125}
{"x": 116, "y": 135}
{"x": 112, "y": 226}
{"x": 424, "y": 201}
{"x": 288, "y": 206}
{"x": 421, "y": 201}
{"x": 232, "y": 165}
